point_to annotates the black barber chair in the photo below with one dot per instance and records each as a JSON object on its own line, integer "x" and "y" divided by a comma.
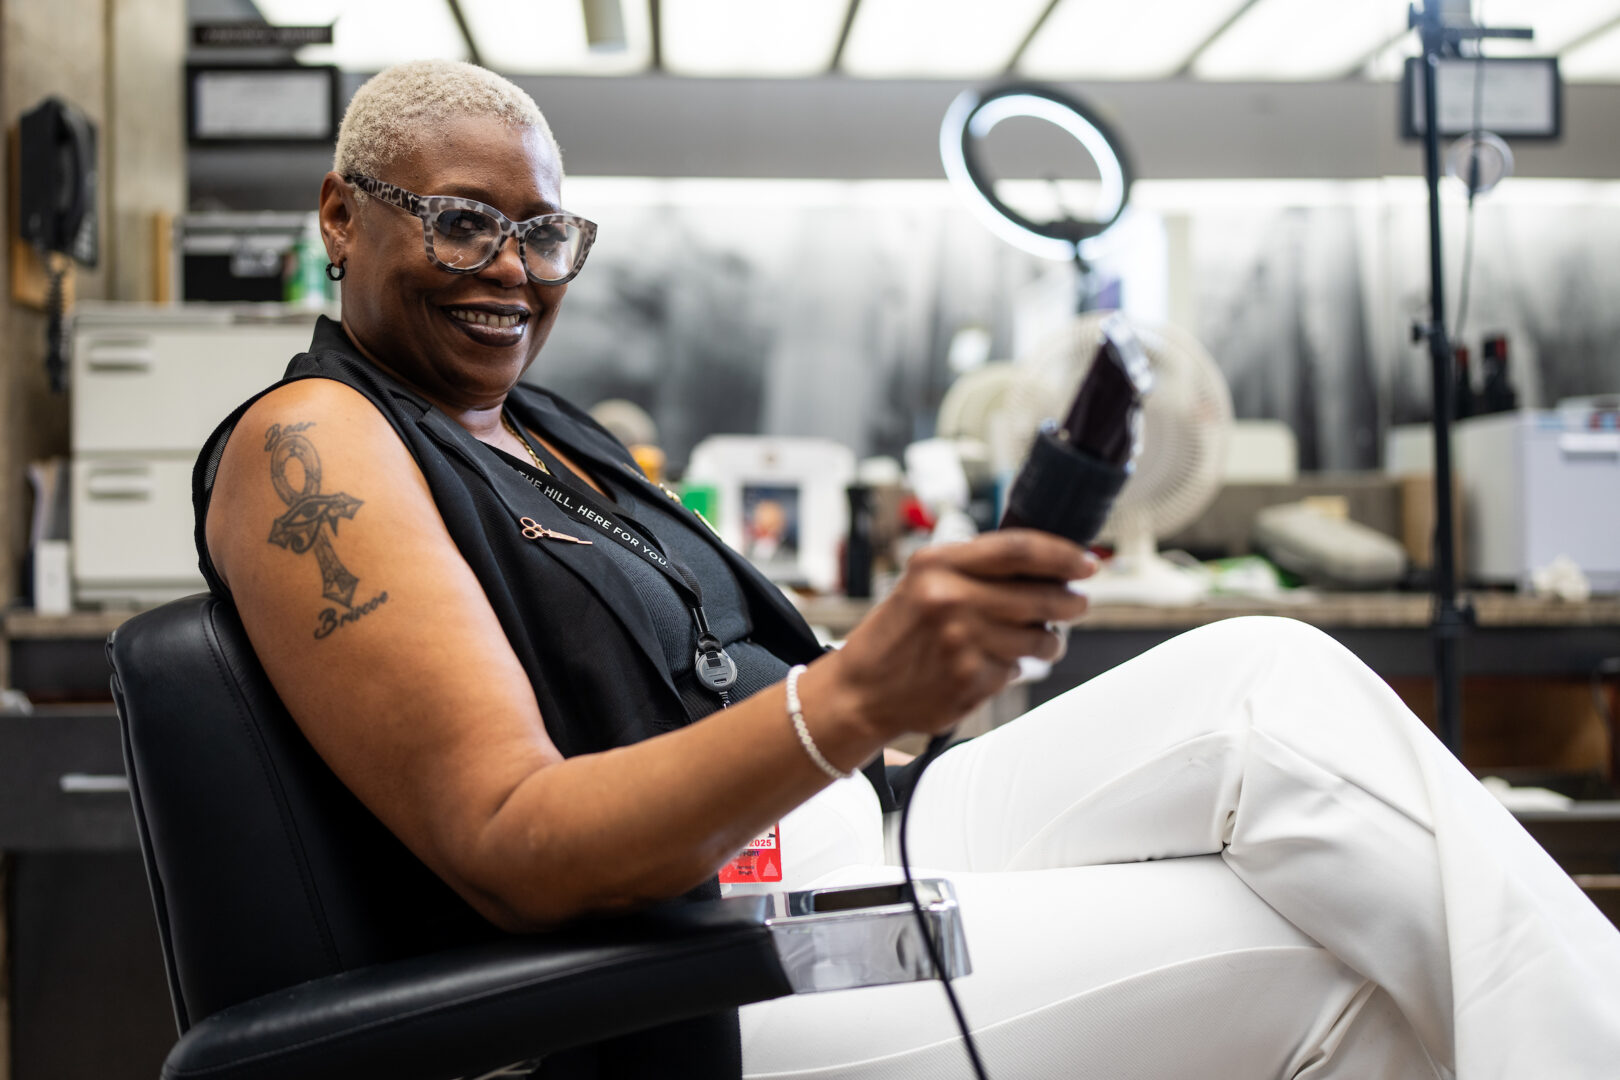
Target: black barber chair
{"x": 271, "y": 885}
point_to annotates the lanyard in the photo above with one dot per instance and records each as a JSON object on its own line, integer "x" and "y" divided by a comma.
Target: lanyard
{"x": 713, "y": 666}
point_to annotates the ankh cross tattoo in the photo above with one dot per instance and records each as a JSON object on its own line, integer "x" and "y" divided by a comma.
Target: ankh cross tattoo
{"x": 310, "y": 515}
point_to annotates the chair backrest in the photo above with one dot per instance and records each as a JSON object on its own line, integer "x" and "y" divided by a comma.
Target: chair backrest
{"x": 265, "y": 871}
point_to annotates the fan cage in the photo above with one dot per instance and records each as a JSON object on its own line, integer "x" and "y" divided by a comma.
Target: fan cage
{"x": 1186, "y": 420}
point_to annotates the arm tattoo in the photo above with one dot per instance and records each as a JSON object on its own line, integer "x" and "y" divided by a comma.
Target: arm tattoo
{"x": 311, "y": 521}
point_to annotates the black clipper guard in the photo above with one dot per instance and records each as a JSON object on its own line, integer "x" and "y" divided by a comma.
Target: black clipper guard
{"x": 1063, "y": 489}
{"x": 1075, "y": 469}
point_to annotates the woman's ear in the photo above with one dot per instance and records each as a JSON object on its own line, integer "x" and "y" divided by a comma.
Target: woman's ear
{"x": 337, "y": 217}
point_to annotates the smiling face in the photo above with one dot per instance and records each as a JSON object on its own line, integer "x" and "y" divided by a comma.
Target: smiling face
{"x": 462, "y": 340}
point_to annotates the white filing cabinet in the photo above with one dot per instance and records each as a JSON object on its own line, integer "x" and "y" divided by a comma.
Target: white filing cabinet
{"x": 1537, "y": 484}
{"x": 150, "y": 383}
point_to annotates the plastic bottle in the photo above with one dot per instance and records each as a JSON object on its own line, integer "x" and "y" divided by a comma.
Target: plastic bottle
{"x": 306, "y": 284}
{"x": 1463, "y": 403}
{"x": 1498, "y": 394}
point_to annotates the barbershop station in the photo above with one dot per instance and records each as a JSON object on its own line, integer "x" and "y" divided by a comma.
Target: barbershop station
{"x": 810, "y": 540}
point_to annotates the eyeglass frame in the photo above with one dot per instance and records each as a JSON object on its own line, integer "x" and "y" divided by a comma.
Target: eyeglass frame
{"x": 427, "y": 207}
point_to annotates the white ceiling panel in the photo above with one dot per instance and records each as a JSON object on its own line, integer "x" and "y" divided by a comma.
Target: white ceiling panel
{"x": 1391, "y": 59}
{"x": 764, "y": 38}
{"x": 1557, "y": 23}
{"x": 1107, "y": 39}
{"x": 1597, "y": 60}
{"x": 1302, "y": 40}
{"x": 547, "y": 37}
{"x": 936, "y": 38}
{"x": 369, "y": 35}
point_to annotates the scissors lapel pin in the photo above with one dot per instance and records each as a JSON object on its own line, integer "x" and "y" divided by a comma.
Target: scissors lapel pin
{"x": 533, "y": 530}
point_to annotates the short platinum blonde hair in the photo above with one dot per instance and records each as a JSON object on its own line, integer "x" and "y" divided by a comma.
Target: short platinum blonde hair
{"x": 395, "y": 111}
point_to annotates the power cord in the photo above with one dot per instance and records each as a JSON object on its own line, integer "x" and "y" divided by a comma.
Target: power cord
{"x": 55, "y": 310}
{"x": 1472, "y": 180}
{"x": 936, "y": 746}
{"x": 1066, "y": 488}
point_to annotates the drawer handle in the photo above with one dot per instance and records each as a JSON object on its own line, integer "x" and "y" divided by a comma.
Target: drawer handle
{"x": 1589, "y": 443}
{"x": 119, "y": 484}
{"x": 126, "y": 360}
{"x": 78, "y": 783}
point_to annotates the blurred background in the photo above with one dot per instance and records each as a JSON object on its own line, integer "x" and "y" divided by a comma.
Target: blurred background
{"x": 804, "y": 315}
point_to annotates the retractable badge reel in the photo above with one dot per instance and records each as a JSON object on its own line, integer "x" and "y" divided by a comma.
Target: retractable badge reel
{"x": 715, "y": 667}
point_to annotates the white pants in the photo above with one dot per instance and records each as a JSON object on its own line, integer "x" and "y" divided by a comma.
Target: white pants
{"x": 1333, "y": 896}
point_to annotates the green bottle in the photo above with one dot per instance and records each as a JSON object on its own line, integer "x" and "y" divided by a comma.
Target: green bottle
{"x": 307, "y": 285}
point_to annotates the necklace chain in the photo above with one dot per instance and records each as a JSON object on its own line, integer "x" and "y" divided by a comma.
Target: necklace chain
{"x": 506, "y": 422}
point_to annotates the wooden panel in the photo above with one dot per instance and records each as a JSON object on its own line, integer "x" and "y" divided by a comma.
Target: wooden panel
{"x": 1361, "y": 610}
{"x": 1521, "y": 723}
{"x": 1604, "y": 891}
{"x": 145, "y": 141}
{"x": 56, "y": 47}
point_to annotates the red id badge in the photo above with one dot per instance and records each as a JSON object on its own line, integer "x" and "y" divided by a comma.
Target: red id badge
{"x": 758, "y": 863}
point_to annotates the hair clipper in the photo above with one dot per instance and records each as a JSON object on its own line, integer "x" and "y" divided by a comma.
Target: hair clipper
{"x": 1076, "y": 468}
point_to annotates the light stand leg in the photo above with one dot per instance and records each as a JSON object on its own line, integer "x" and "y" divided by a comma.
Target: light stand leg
{"x": 1449, "y": 622}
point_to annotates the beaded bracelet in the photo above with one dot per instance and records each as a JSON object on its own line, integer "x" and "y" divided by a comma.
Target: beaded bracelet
{"x": 796, "y": 714}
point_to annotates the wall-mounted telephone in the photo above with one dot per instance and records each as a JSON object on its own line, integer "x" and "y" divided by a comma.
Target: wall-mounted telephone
{"x": 56, "y": 183}
{"x": 56, "y": 206}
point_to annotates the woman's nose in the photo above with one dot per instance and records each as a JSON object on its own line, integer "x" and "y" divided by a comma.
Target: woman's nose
{"x": 507, "y": 265}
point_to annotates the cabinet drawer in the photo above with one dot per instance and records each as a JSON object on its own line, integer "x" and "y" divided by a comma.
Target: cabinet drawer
{"x": 165, "y": 389}
{"x": 132, "y": 522}
{"x": 62, "y": 784}
{"x": 1571, "y": 503}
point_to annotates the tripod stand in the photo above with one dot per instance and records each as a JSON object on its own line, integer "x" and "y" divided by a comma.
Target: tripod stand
{"x": 1449, "y": 621}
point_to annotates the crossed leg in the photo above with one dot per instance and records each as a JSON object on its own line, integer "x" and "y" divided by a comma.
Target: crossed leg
{"x": 1336, "y": 896}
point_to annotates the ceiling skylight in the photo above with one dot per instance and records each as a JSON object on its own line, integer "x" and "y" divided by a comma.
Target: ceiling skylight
{"x": 923, "y": 38}
{"x": 766, "y": 38}
{"x": 369, "y": 37}
{"x": 1302, "y": 40}
{"x": 1391, "y": 59}
{"x": 1106, "y": 39}
{"x": 1597, "y": 60}
{"x": 547, "y": 37}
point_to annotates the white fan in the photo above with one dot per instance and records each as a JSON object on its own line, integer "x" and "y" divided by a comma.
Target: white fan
{"x": 1186, "y": 422}
{"x": 975, "y": 411}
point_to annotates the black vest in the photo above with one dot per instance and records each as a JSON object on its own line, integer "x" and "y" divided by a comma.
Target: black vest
{"x": 577, "y": 624}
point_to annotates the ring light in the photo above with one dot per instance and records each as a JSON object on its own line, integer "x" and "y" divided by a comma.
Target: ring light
{"x": 972, "y": 116}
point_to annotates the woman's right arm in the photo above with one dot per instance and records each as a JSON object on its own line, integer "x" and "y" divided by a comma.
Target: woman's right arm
{"x": 378, "y": 638}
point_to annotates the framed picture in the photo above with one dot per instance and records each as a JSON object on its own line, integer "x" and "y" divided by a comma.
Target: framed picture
{"x": 262, "y": 104}
{"x": 780, "y": 501}
{"x": 1520, "y": 97}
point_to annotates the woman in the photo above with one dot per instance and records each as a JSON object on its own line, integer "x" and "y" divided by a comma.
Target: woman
{"x": 501, "y": 637}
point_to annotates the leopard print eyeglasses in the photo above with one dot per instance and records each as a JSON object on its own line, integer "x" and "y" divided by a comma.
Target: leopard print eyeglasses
{"x": 464, "y": 235}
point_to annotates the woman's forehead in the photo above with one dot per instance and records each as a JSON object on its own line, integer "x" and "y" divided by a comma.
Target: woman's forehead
{"x": 512, "y": 168}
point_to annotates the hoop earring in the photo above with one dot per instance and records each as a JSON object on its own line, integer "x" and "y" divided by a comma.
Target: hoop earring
{"x": 335, "y": 271}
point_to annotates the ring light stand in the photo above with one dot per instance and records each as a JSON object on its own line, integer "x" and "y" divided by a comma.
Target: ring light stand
{"x": 970, "y": 119}
{"x": 1450, "y": 621}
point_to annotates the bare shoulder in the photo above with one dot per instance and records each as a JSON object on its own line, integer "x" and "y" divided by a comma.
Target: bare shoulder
{"x": 319, "y": 515}
{"x": 301, "y": 454}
